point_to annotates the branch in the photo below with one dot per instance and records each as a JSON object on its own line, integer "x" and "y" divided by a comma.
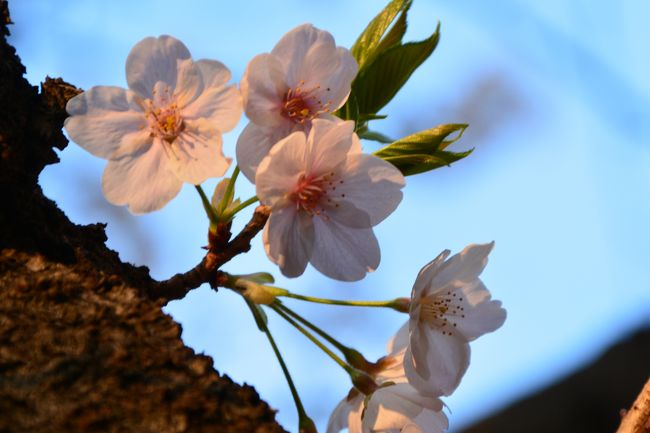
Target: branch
{"x": 637, "y": 419}
{"x": 220, "y": 252}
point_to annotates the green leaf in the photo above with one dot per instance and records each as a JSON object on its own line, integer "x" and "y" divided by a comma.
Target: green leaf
{"x": 396, "y": 33}
{"x": 375, "y": 136}
{"x": 416, "y": 164}
{"x": 378, "y": 82}
{"x": 370, "y": 38}
{"x": 424, "y": 150}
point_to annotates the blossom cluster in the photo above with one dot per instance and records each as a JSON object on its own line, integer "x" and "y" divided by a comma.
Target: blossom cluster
{"x": 324, "y": 193}
{"x": 429, "y": 355}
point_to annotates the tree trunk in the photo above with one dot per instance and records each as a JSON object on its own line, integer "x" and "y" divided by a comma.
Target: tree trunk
{"x": 83, "y": 347}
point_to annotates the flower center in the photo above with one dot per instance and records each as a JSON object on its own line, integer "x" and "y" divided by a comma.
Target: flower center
{"x": 301, "y": 105}
{"x": 442, "y": 310}
{"x": 163, "y": 115}
{"x": 312, "y": 193}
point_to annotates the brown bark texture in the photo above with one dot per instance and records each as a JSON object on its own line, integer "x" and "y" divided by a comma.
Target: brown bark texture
{"x": 84, "y": 346}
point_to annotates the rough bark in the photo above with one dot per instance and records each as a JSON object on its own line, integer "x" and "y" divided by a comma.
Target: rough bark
{"x": 83, "y": 347}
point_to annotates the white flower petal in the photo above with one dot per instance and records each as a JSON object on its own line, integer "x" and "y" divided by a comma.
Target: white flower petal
{"x": 263, "y": 89}
{"x": 103, "y": 119}
{"x": 152, "y": 60}
{"x": 426, "y": 275}
{"x": 346, "y": 213}
{"x": 464, "y": 266}
{"x": 294, "y": 45}
{"x": 221, "y": 106}
{"x": 482, "y": 315}
{"x": 327, "y": 69}
{"x": 253, "y": 144}
{"x": 339, "y": 418}
{"x": 344, "y": 253}
{"x": 310, "y": 56}
{"x": 435, "y": 363}
{"x": 395, "y": 406}
{"x": 214, "y": 73}
{"x": 400, "y": 340}
{"x": 373, "y": 185}
{"x": 329, "y": 144}
{"x": 145, "y": 181}
{"x": 189, "y": 83}
{"x": 288, "y": 240}
{"x": 196, "y": 154}
{"x": 428, "y": 421}
{"x": 354, "y": 418}
{"x": 278, "y": 173}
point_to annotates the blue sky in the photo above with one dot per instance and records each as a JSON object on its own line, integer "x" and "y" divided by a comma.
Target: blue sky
{"x": 557, "y": 96}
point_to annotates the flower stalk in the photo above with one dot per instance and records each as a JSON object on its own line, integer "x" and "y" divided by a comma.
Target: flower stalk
{"x": 305, "y": 424}
{"x": 352, "y": 356}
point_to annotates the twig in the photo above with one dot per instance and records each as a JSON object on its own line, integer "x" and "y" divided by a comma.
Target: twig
{"x": 220, "y": 252}
{"x": 637, "y": 419}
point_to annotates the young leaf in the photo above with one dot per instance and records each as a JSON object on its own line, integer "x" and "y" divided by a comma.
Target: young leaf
{"x": 424, "y": 150}
{"x": 416, "y": 164}
{"x": 379, "y": 81}
{"x": 396, "y": 33}
{"x": 371, "y": 36}
{"x": 375, "y": 136}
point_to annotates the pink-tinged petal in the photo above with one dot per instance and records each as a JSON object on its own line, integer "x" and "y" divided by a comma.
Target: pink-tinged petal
{"x": 395, "y": 406}
{"x": 189, "y": 83}
{"x": 221, "y": 106}
{"x": 344, "y": 253}
{"x": 103, "y": 119}
{"x": 482, "y": 315}
{"x": 464, "y": 266}
{"x": 355, "y": 424}
{"x": 426, "y": 275}
{"x": 339, "y": 418}
{"x": 329, "y": 143}
{"x": 412, "y": 428}
{"x": 145, "y": 181}
{"x": 346, "y": 213}
{"x": 152, "y": 60}
{"x": 328, "y": 70}
{"x": 214, "y": 73}
{"x": 435, "y": 363}
{"x": 196, "y": 154}
{"x": 288, "y": 240}
{"x": 373, "y": 185}
{"x": 294, "y": 45}
{"x": 263, "y": 89}
{"x": 253, "y": 144}
{"x": 134, "y": 142}
{"x": 428, "y": 421}
{"x": 278, "y": 173}
{"x": 400, "y": 340}
{"x": 406, "y": 392}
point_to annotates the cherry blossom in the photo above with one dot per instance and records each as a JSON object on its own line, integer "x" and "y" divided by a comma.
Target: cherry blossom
{"x": 325, "y": 197}
{"x": 450, "y": 307}
{"x": 162, "y": 131}
{"x": 394, "y": 407}
{"x": 306, "y": 76}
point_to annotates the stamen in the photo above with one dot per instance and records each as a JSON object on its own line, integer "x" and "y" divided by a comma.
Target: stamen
{"x": 301, "y": 105}
{"x": 311, "y": 192}
{"x": 442, "y": 310}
